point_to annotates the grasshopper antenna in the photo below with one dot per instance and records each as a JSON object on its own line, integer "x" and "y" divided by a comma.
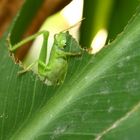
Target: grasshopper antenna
{"x": 73, "y": 25}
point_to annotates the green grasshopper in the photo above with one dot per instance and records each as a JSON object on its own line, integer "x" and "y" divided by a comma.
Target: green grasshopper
{"x": 56, "y": 69}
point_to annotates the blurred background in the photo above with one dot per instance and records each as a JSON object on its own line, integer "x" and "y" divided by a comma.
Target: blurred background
{"x": 104, "y": 19}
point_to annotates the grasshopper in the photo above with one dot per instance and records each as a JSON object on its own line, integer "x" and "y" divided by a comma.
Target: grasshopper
{"x": 56, "y": 69}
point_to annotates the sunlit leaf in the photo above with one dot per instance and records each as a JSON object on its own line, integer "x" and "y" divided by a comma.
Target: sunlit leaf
{"x": 99, "y": 99}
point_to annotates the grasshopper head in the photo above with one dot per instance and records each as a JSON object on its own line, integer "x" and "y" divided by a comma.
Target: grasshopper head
{"x": 60, "y": 39}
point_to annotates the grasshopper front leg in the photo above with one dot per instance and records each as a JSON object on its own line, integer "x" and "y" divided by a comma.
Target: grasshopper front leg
{"x": 26, "y": 40}
{"x": 73, "y": 53}
{"x": 43, "y": 53}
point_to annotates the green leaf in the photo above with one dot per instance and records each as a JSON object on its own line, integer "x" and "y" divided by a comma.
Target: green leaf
{"x": 99, "y": 99}
{"x": 121, "y": 13}
{"x": 97, "y": 16}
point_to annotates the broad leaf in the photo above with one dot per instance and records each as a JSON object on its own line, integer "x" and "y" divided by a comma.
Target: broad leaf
{"x": 98, "y": 100}
{"x": 121, "y": 13}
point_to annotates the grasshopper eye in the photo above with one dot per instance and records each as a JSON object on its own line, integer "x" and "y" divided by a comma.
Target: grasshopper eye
{"x": 64, "y": 46}
{"x": 63, "y": 42}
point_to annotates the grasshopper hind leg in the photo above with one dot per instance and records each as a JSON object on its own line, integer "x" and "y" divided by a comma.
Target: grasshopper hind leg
{"x": 28, "y": 68}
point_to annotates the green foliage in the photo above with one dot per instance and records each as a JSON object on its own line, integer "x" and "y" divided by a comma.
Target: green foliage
{"x": 99, "y": 99}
